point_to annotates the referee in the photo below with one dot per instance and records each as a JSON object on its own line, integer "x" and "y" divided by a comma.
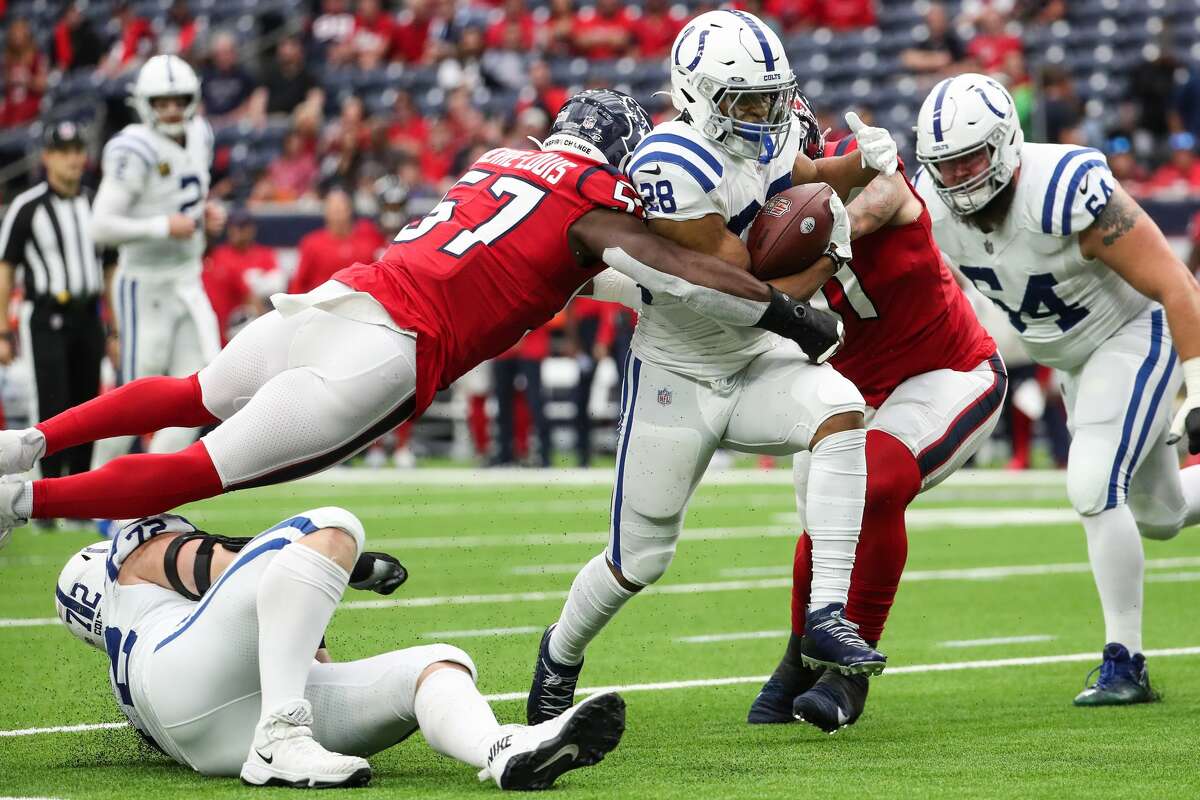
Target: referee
{"x": 45, "y": 239}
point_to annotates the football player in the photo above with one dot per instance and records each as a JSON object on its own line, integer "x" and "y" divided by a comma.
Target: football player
{"x": 934, "y": 387}
{"x": 325, "y": 374}
{"x": 211, "y": 645}
{"x": 152, "y": 205}
{"x": 693, "y": 384}
{"x": 1094, "y": 290}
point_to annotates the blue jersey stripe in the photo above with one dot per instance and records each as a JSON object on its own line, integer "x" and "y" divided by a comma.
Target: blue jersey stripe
{"x": 1052, "y": 187}
{"x": 780, "y": 184}
{"x": 1152, "y": 411}
{"x": 768, "y": 58}
{"x": 1139, "y": 389}
{"x": 744, "y": 217}
{"x": 1069, "y": 200}
{"x": 133, "y": 143}
{"x": 121, "y": 147}
{"x": 705, "y": 182}
{"x": 937, "y": 108}
{"x": 634, "y": 374}
{"x": 684, "y": 142}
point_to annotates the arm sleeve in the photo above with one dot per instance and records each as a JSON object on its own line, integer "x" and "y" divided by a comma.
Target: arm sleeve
{"x": 613, "y": 287}
{"x": 126, "y": 170}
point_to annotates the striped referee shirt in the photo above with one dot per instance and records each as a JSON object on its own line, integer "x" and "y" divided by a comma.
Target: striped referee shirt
{"x": 47, "y": 236}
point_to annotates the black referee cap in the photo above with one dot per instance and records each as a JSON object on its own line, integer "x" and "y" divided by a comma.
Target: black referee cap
{"x": 63, "y": 135}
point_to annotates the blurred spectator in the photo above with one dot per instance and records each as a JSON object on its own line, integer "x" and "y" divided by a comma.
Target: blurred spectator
{"x": 134, "y": 41}
{"x": 1059, "y": 108}
{"x": 226, "y": 86}
{"x": 1152, "y": 83}
{"x": 604, "y": 30}
{"x": 992, "y": 43}
{"x": 291, "y": 177}
{"x": 374, "y": 30}
{"x": 24, "y": 71}
{"x": 938, "y": 50}
{"x": 437, "y": 157}
{"x": 240, "y": 274}
{"x": 76, "y": 43}
{"x": 410, "y": 39}
{"x": 288, "y": 82}
{"x": 657, "y": 26}
{"x": 342, "y": 242}
{"x": 514, "y": 23}
{"x": 558, "y": 30}
{"x": 1180, "y": 176}
{"x": 407, "y": 130}
{"x": 1125, "y": 168}
{"x": 589, "y": 340}
{"x": 541, "y": 91}
{"x": 506, "y": 67}
{"x": 179, "y": 32}
{"x": 332, "y": 30}
{"x": 464, "y": 69}
{"x": 520, "y": 369}
{"x": 836, "y": 14}
{"x": 393, "y": 205}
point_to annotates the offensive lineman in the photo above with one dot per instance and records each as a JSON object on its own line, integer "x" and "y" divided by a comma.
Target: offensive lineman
{"x": 316, "y": 380}
{"x": 1094, "y": 290}
{"x": 235, "y": 625}
{"x": 692, "y": 384}
{"x": 153, "y": 206}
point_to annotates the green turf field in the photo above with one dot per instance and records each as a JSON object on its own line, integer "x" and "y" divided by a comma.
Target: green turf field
{"x": 986, "y": 561}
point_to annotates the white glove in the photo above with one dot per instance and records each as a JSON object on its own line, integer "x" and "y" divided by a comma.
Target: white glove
{"x": 1187, "y": 419}
{"x": 839, "y": 236}
{"x": 876, "y": 145}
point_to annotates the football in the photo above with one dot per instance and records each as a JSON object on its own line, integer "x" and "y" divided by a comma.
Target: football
{"x": 791, "y": 231}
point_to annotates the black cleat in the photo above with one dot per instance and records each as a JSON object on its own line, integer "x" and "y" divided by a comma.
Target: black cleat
{"x": 553, "y": 689}
{"x": 834, "y": 702}
{"x": 832, "y": 641}
{"x": 1124, "y": 680}
{"x": 789, "y": 680}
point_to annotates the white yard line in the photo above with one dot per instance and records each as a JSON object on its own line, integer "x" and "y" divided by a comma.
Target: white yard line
{"x": 473, "y": 540}
{"x": 546, "y": 569}
{"x": 1035, "y": 637}
{"x": 28, "y": 623}
{"x": 481, "y": 632}
{"x": 914, "y": 669}
{"x": 1173, "y": 577}
{"x": 981, "y": 517}
{"x": 731, "y": 637}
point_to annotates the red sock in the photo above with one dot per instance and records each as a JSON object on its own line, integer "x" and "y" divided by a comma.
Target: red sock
{"x": 477, "y": 421}
{"x": 893, "y": 480}
{"x": 143, "y": 406}
{"x": 1022, "y": 434}
{"x": 130, "y": 486}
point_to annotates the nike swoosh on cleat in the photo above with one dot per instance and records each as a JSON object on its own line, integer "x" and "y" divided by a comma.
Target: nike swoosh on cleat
{"x": 841, "y": 716}
{"x": 267, "y": 759}
{"x": 570, "y": 750}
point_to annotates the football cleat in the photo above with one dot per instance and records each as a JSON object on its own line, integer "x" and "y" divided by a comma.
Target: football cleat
{"x": 20, "y": 450}
{"x": 284, "y": 753}
{"x": 789, "y": 680}
{"x": 835, "y": 701}
{"x": 553, "y": 689}
{"x": 1124, "y": 680}
{"x": 532, "y": 757}
{"x": 831, "y": 640}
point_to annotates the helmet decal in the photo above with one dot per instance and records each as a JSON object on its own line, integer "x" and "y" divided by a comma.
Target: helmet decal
{"x": 768, "y": 56}
{"x": 937, "y": 108}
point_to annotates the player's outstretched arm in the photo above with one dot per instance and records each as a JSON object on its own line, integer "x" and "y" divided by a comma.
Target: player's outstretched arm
{"x": 876, "y": 155}
{"x": 1132, "y": 245}
{"x": 112, "y": 225}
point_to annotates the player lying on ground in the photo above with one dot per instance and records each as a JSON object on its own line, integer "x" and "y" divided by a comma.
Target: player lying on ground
{"x": 309, "y": 384}
{"x": 934, "y": 386}
{"x": 1095, "y": 291}
{"x": 211, "y": 644}
{"x": 693, "y": 385}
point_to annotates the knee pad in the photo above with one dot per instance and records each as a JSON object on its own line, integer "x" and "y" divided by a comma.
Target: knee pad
{"x": 646, "y": 548}
{"x": 433, "y": 653}
{"x": 336, "y": 517}
{"x": 1089, "y": 473}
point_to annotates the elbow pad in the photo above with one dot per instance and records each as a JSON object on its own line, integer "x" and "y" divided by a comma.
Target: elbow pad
{"x": 202, "y": 567}
{"x": 819, "y": 333}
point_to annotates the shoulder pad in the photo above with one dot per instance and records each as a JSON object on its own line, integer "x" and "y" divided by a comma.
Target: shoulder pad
{"x": 132, "y": 534}
{"x": 677, "y": 145}
{"x": 1069, "y": 187}
{"x": 605, "y": 186}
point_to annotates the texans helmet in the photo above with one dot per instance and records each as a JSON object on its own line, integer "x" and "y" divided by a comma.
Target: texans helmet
{"x": 603, "y": 124}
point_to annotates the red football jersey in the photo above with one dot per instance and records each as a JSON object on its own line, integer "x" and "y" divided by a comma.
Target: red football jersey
{"x": 491, "y": 261}
{"x": 904, "y": 314}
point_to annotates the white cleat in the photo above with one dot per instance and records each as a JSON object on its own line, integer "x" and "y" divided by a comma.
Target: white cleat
{"x": 9, "y": 519}
{"x": 284, "y": 753}
{"x": 20, "y": 450}
{"x": 532, "y": 757}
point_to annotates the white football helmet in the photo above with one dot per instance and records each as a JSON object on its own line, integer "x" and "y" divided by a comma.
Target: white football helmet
{"x": 165, "y": 76}
{"x": 79, "y": 592}
{"x": 961, "y": 116}
{"x": 731, "y": 79}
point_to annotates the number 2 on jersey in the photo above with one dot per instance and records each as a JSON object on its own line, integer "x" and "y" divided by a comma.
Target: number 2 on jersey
{"x": 523, "y": 199}
{"x": 852, "y": 294}
{"x": 1039, "y": 294}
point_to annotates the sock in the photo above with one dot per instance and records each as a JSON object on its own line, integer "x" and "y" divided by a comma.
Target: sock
{"x": 1190, "y": 479}
{"x": 142, "y": 406}
{"x": 595, "y": 598}
{"x": 837, "y": 484}
{"x": 454, "y": 718}
{"x": 130, "y": 486}
{"x": 801, "y": 582}
{"x": 1115, "y": 551}
{"x": 297, "y": 595}
{"x": 893, "y": 480}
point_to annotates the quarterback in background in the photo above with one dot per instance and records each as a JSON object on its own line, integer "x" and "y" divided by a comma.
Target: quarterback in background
{"x": 153, "y": 206}
{"x": 1094, "y": 290}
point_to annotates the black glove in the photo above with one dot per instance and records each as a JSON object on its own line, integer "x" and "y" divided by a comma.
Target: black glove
{"x": 818, "y": 333}
{"x": 378, "y": 572}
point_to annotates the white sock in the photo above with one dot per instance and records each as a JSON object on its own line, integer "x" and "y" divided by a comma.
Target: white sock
{"x": 837, "y": 487}
{"x": 297, "y": 595}
{"x": 1190, "y": 480}
{"x": 1115, "y": 551}
{"x": 595, "y": 598}
{"x": 454, "y": 718}
{"x": 23, "y": 502}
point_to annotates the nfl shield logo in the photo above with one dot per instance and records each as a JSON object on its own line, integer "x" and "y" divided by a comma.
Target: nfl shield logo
{"x": 664, "y": 397}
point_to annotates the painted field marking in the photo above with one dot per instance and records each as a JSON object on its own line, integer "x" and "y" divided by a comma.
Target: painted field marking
{"x": 1035, "y": 637}
{"x": 28, "y": 623}
{"x": 731, "y": 637}
{"x": 481, "y": 632}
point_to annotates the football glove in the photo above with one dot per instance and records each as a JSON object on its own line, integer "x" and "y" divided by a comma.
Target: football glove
{"x": 876, "y": 145}
{"x": 378, "y": 572}
{"x": 818, "y": 333}
{"x": 839, "y": 236}
{"x": 1187, "y": 419}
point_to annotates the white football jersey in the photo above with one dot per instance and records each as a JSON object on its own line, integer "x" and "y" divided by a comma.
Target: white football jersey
{"x": 1061, "y": 304}
{"x": 164, "y": 178}
{"x": 682, "y": 175}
